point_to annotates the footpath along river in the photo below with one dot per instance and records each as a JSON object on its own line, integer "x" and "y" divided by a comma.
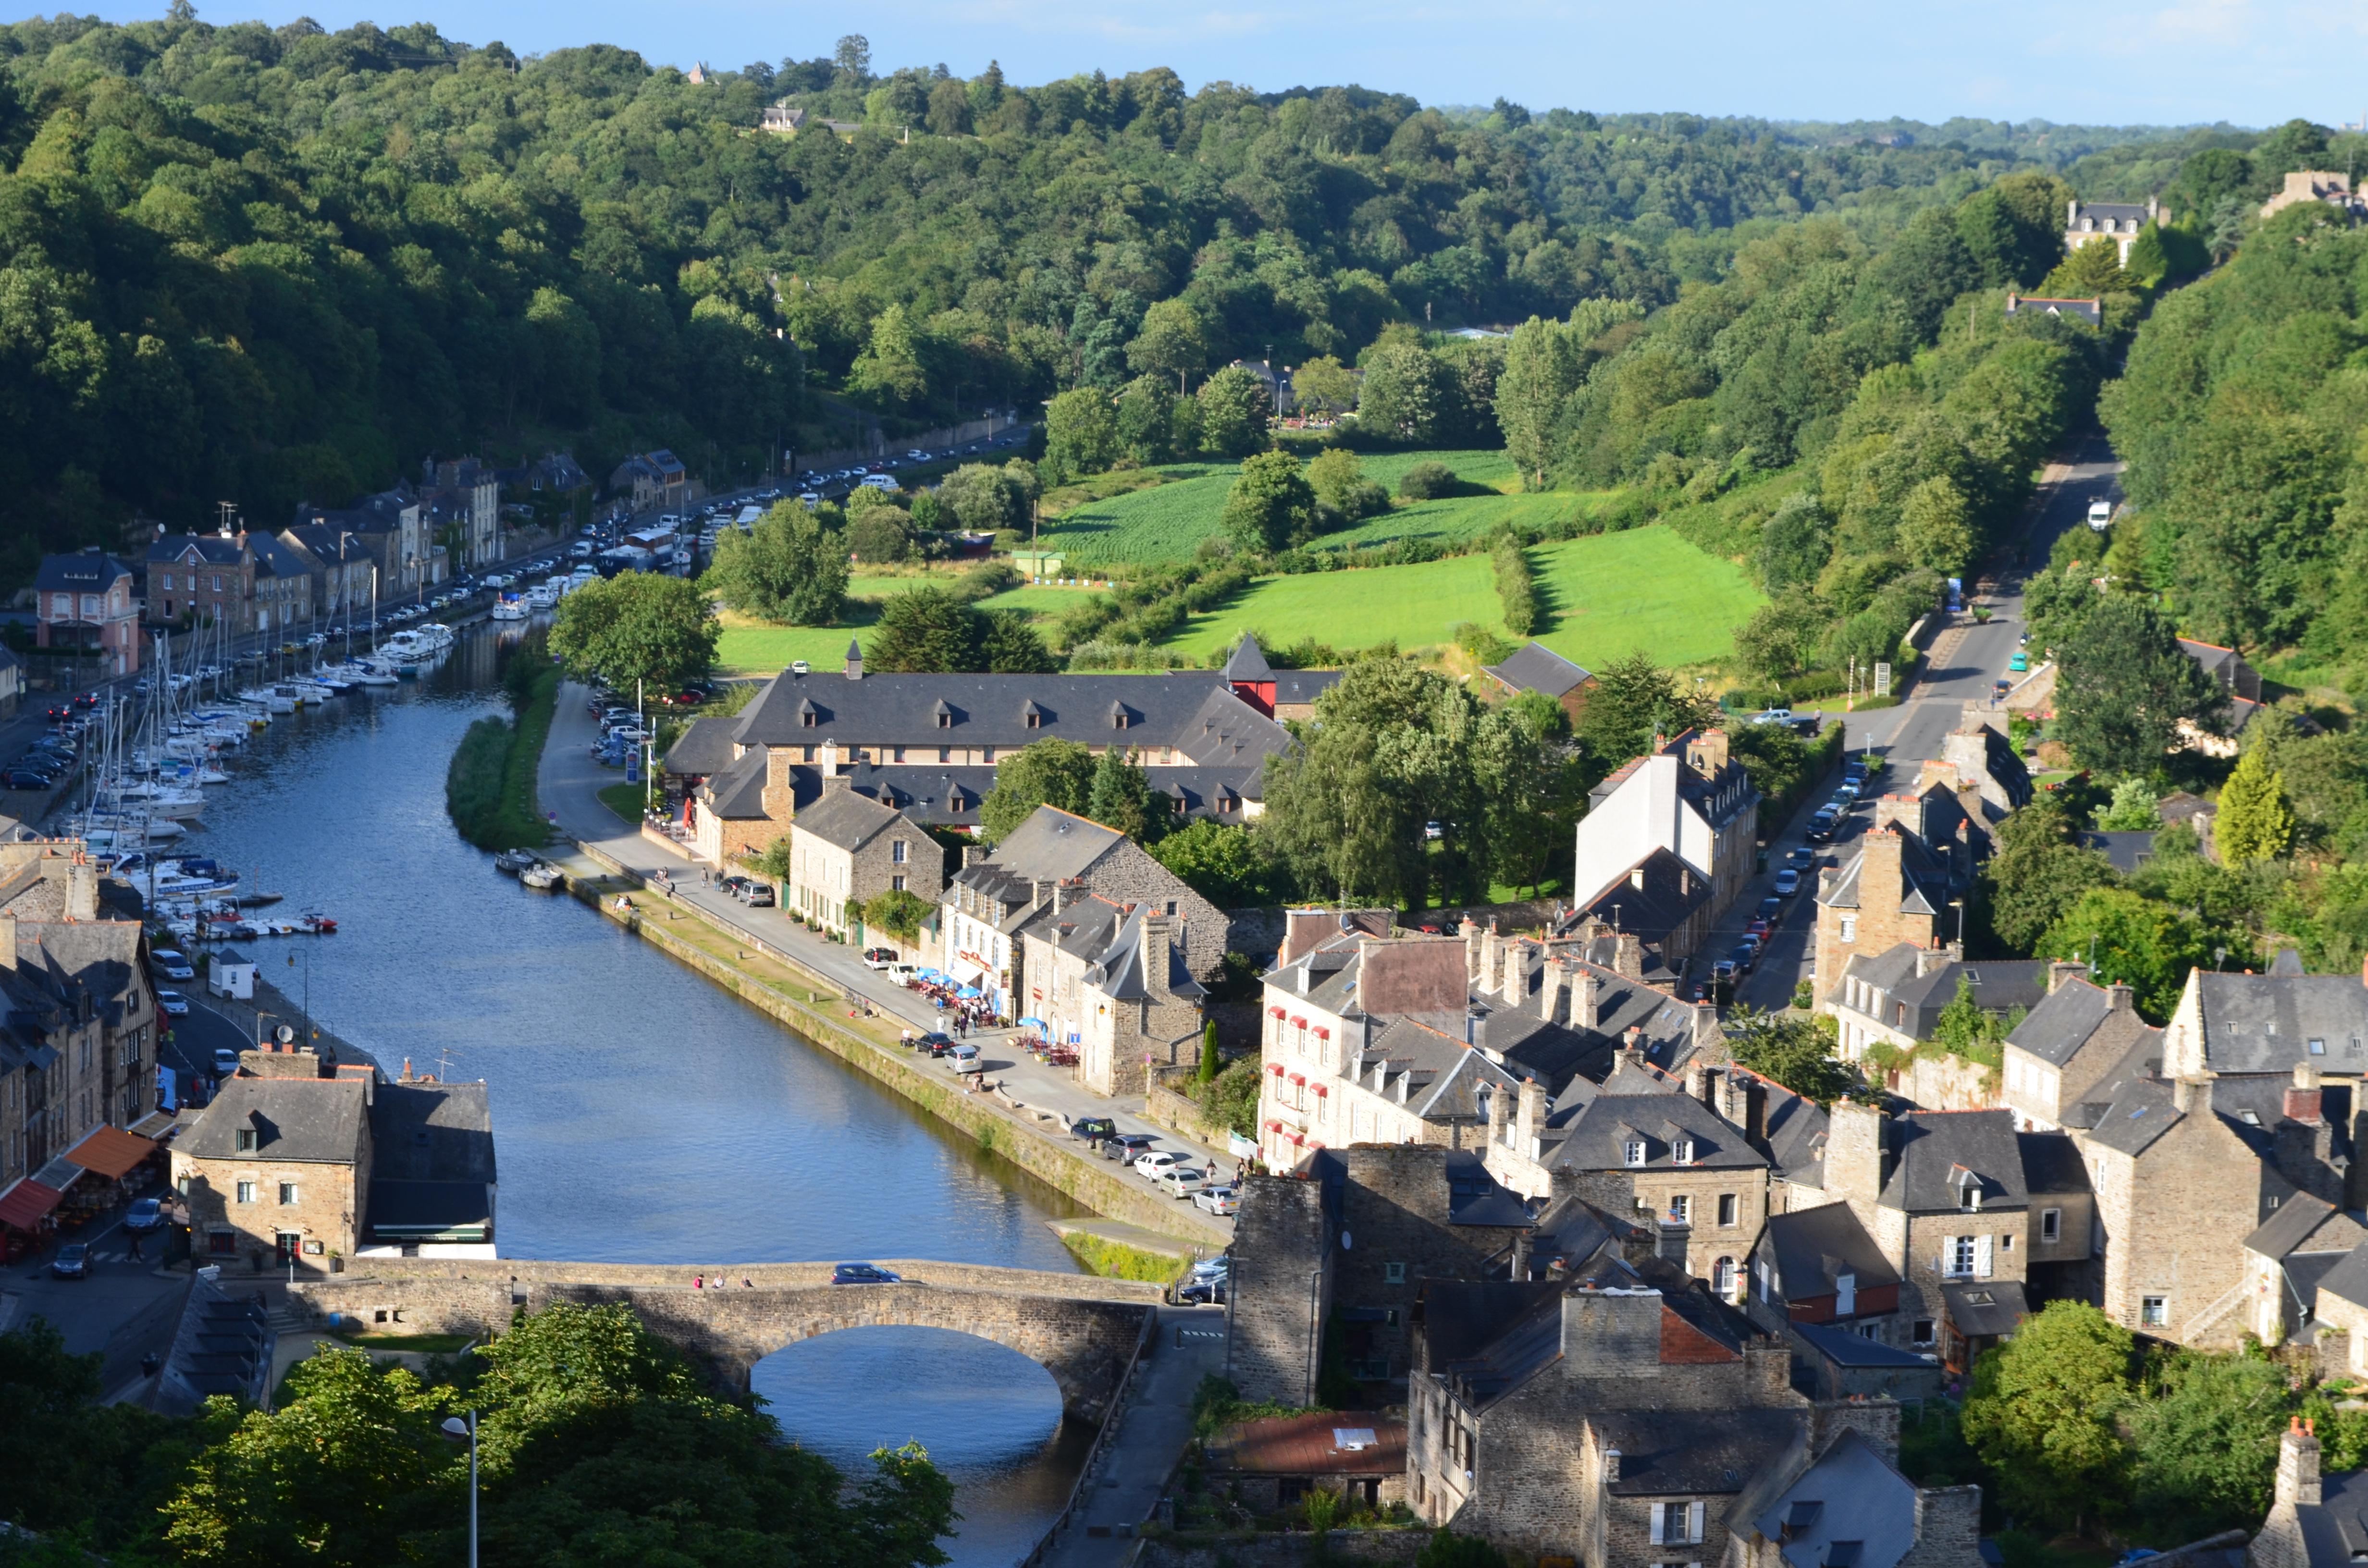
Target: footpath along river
{"x": 639, "y": 1113}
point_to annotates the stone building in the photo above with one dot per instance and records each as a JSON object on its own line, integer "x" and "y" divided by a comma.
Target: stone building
{"x": 1905, "y": 885}
{"x": 2068, "y": 1044}
{"x": 1848, "y": 1504}
{"x": 1686, "y": 800}
{"x": 2330, "y": 187}
{"x": 88, "y": 602}
{"x": 846, "y": 849}
{"x": 2295, "y": 1248}
{"x": 1107, "y": 978}
{"x": 2119, "y": 221}
{"x": 1896, "y": 997}
{"x": 2314, "y": 1520}
{"x": 1534, "y": 666}
{"x": 1057, "y": 853}
{"x": 1820, "y": 1266}
{"x": 343, "y": 568}
{"x": 2267, "y": 1025}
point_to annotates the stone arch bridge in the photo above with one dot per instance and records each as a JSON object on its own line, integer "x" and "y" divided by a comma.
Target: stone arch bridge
{"x": 1082, "y": 1329}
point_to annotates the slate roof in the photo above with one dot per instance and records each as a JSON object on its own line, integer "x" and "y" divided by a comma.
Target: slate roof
{"x": 1534, "y": 666}
{"x": 2260, "y": 1023}
{"x": 1845, "y": 1348}
{"x": 213, "y": 549}
{"x": 1247, "y": 663}
{"x": 1702, "y": 1452}
{"x": 1987, "y": 1308}
{"x": 2348, "y": 1280}
{"x": 2051, "y": 1164}
{"x": 316, "y": 1121}
{"x": 1937, "y": 1149}
{"x": 1652, "y": 898}
{"x": 1850, "y": 1496}
{"x": 1052, "y": 846}
{"x": 2065, "y": 1020}
{"x": 2287, "y": 1229}
{"x": 736, "y": 792}
{"x": 1123, "y": 970}
{"x": 2141, "y": 1113}
{"x": 1815, "y": 1247}
{"x": 2335, "y": 1533}
{"x": 431, "y": 1132}
{"x": 704, "y": 747}
{"x": 1913, "y": 1004}
{"x": 2139, "y": 1064}
{"x": 275, "y": 559}
{"x": 1796, "y": 1127}
{"x": 1596, "y": 1138}
{"x": 2127, "y": 851}
{"x": 845, "y": 820}
{"x": 86, "y": 572}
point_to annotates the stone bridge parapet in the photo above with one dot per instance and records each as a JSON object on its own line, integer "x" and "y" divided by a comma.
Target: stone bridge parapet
{"x": 1080, "y": 1328}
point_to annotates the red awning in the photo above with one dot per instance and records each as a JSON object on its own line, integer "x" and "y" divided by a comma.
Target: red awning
{"x": 1323, "y": 1091}
{"x": 1275, "y": 1068}
{"x": 1274, "y": 1012}
{"x": 1298, "y": 1023}
{"x": 111, "y": 1151}
{"x": 1300, "y": 1079}
{"x": 1297, "y": 1137}
{"x": 22, "y": 1206}
{"x": 1322, "y": 1033}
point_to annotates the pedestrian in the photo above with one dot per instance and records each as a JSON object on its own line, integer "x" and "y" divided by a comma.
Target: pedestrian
{"x": 699, "y": 1282}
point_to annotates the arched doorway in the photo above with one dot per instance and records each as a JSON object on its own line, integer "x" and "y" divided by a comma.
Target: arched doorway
{"x": 990, "y": 1417}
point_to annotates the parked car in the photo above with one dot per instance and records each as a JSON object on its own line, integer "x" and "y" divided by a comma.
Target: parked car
{"x": 1180, "y": 1181}
{"x": 933, "y": 1043}
{"x": 1757, "y": 927}
{"x": 800, "y": 668}
{"x": 864, "y": 1274}
{"x": 173, "y": 1003}
{"x": 1091, "y": 1128}
{"x": 1126, "y": 1145}
{"x": 171, "y": 965}
{"x": 1220, "y": 1200}
{"x": 965, "y": 1059}
{"x": 879, "y": 958}
{"x": 1772, "y": 716}
{"x": 73, "y": 1261}
{"x": 1821, "y": 827}
{"x": 24, "y": 779}
{"x": 225, "y": 1062}
{"x": 2019, "y": 664}
{"x": 1745, "y": 957}
{"x": 145, "y": 1215}
{"x": 760, "y": 895}
{"x": 736, "y": 885}
{"x": 1723, "y": 972}
{"x": 1788, "y": 882}
{"x": 1153, "y": 1163}
{"x": 2100, "y": 513}
{"x": 1203, "y": 1292}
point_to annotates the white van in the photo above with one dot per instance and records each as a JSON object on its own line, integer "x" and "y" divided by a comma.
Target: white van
{"x": 2101, "y": 515}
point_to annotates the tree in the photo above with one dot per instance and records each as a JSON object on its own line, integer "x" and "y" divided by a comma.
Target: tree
{"x": 2255, "y": 821}
{"x": 1121, "y": 796}
{"x": 2037, "y": 872}
{"x": 923, "y": 628}
{"x": 1793, "y": 545}
{"x": 1323, "y": 383}
{"x": 853, "y": 55}
{"x": 1634, "y": 700}
{"x": 2205, "y": 1448}
{"x": 1147, "y": 419}
{"x": 877, "y": 535}
{"x": 790, "y": 568}
{"x": 890, "y": 371}
{"x": 1009, "y": 644}
{"x": 636, "y": 629}
{"x": 1270, "y": 504}
{"x": 2041, "y": 1410}
{"x": 1224, "y": 864}
{"x": 898, "y": 912}
{"x": 1935, "y": 531}
{"x": 2122, "y": 685}
{"x": 2093, "y": 269}
{"x": 2133, "y": 809}
{"x": 949, "y": 109}
{"x": 1171, "y": 341}
{"x": 1343, "y": 494}
{"x": 1234, "y": 413}
{"x": 1230, "y": 1100}
{"x": 1792, "y": 1051}
{"x": 2132, "y": 940}
{"x": 983, "y": 498}
{"x": 1080, "y": 433}
{"x": 1968, "y": 1029}
{"x": 1543, "y": 364}
{"x": 68, "y": 1463}
{"x": 1405, "y": 396}
{"x": 1049, "y": 772}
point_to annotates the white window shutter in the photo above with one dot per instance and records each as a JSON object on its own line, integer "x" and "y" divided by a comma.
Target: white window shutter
{"x": 1694, "y": 1521}
{"x": 1982, "y": 1256}
{"x": 1656, "y": 1519}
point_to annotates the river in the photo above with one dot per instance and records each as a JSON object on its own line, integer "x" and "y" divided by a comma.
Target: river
{"x": 639, "y": 1113}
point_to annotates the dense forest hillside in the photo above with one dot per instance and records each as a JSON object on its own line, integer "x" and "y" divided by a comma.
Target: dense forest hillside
{"x": 270, "y": 264}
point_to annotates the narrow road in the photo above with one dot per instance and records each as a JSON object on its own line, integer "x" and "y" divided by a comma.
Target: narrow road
{"x": 570, "y": 782}
{"x": 1960, "y": 668}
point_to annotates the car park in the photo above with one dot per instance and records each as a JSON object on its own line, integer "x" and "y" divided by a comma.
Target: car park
{"x": 73, "y": 1261}
{"x": 864, "y": 1274}
{"x": 1180, "y": 1181}
{"x": 172, "y": 1004}
{"x": 1220, "y": 1198}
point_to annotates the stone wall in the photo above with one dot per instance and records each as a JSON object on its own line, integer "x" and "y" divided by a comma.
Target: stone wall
{"x": 1127, "y": 874}
{"x": 1170, "y": 1104}
{"x": 519, "y": 1273}
{"x": 1282, "y": 1289}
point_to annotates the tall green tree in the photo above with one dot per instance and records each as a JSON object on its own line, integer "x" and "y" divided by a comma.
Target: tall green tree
{"x": 1171, "y": 343}
{"x": 1270, "y": 504}
{"x": 636, "y": 629}
{"x": 2132, "y": 940}
{"x": 1225, "y": 864}
{"x": 1543, "y": 364}
{"x": 2041, "y": 1414}
{"x": 1634, "y": 700}
{"x": 1794, "y": 1050}
{"x": 2255, "y": 821}
{"x": 791, "y": 568}
{"x": 1049, "y": 772}
{"x": 923, "y": 628}
{"x": 1080, "y": 433}
{"x": 1121, "y": 796}
{"x": 1407, "y": 396}
{"x": 2122, "y": 685}
{"x": 2036, "y": 873}
{"x": 1233, "y": 410}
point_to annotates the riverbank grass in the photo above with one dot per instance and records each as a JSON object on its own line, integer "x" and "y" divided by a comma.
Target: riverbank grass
{"x": 625, "y": 799}
{"x": 490, "y": 787}
{"x": 1119, "y": 1260}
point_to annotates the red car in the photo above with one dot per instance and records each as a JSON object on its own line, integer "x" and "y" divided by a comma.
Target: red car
{"x": 1759, "y": 928}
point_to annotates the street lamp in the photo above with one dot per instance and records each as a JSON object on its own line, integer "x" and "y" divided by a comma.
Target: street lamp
{"x": 461, "y": 1431}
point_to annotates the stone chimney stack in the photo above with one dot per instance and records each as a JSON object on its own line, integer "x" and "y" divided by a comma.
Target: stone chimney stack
{"x": 1552, "y": 986}
{"x": 1470, "y": 931}
{"x": 1528, "y": 1117}
{"x": 2297, "y": 1484}
{"x": 1628, "y": 956}
{"x": 1708, "y": 1036}
{"x": 1854, "y": 1139}
{"x": 2303, "y": 1097}
{"x": 2120, "y": 998}
{"x": 2063, "y": 969}
{"x": 1587, "y": 999}
{"x": 972, "y": 855}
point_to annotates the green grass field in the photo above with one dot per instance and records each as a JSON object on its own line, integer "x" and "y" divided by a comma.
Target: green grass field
{"x": 1167, "y": 522}
{"x": 1605, "y": 596}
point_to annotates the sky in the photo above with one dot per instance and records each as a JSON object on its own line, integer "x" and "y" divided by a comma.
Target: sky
{"x": 2099, "y": 62}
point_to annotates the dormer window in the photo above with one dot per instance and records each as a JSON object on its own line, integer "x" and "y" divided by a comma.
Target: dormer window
{"x": 945, "y": 715}
{"x": 245, "y": 1140}
{"x": 1119, "y": 716}
{"x": 1032, "y": 716}
{"x": 808, "y": 715}
{"x": 1681, "y": 1153}
{"x": 1634, "y": 1151}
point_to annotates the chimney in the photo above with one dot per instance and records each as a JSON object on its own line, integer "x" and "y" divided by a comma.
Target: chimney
{"x": 2063, "y": 969}
{"x": 1304, "y": 930}
{"x": 1555, "y": 983}
{"x": 1634, "y": 1037}
{"x": 1492, "y": 957}
{"x": 1158, "y": 948}
{"x": 972, "y": 855}
{"x": 7, "y": 941}
{"x": 1707, "y": 753}
{"x": 854, "y": 660}
{"x": 2302, "y": 1095}
{"x": 2182, "y": 1095}
{"x": 1881, "y": 883}
{"x": 1628, "y": 956}
{"x": 1698, "y": 1080}
{"x": 1707, "y": 1034}
{"x": 1586, "y": 998}
{"x": 2119, "y": 998}
{"x": 2297, "y": 1483}
{"x": 1854, "y": 1139}
{"x": 1528, "y": 1117}
{"x": 1469, "y": 929}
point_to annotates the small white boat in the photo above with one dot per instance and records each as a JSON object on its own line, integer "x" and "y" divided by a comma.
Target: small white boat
{"x": 508, "y": 609}
{"x": 296, "y": 694}
{"x": 271, "y": 700}
{"x": 543, "y": 875}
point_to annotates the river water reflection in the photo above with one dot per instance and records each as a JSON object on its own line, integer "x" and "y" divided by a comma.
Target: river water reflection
{"x": 642, "y": 1115}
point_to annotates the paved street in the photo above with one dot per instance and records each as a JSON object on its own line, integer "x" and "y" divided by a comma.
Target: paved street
{"x": 1960, "y": 668}
{"x": 569, "y": 784}
{"x": 1126, "y": 1484}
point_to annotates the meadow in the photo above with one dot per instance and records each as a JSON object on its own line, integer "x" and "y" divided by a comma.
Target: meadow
{"x": 1605, "y": 596}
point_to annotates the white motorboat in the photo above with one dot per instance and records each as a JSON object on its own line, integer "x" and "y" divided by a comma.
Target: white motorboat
{"x": 271, "y": 700}
{"x": 508, "y": 609}
{"x": 297, "y": 693}
{"x": 361, "y": 672}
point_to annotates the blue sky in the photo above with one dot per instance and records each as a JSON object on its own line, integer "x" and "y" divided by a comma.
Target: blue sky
{"x": 2101, "y": 62}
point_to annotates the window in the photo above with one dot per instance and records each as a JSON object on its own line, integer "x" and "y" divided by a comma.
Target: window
{"x": 1393, "y": 1274}
{"x": 247, "y": 1192}
{"x": 221, "y": 1243}
{"x": 1634, "y": 1152}
{"x": 287, "y": 1193}
{"x": 1682, "y": 1208}
{"x": 896, "y": 753}
{"x": 944, "y": 753}
{"x": 1921, "y": 1331}
{"x": 245, "y": 1140}
{"x": 1676, "y": 1523}
{"x": 1681, "y": 1153}
{"x": 1849, "y": 927}
{"x": 1957, "y": 1258}
{"x": 1721, "y": 1276}
{"x": 988, "y": 756}
{"x": 896, "y": 884}
{"x": 809, "y": 755}
{"x": 1726, "y": 1208}
{"x": 2154, "y": 1312}
{"x": 899, "y": 852}
{"x": 2051, "y": 1224}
